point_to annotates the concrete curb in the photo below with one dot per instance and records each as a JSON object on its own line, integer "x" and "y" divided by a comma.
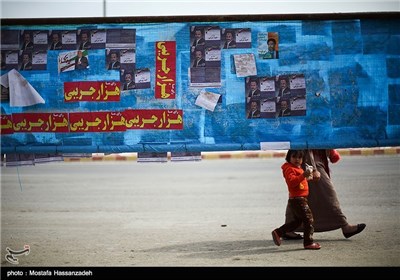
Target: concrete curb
{"x": 241, "y": 154}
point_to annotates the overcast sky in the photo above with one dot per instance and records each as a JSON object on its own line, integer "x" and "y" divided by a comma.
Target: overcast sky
{"x": 130, "y": 8}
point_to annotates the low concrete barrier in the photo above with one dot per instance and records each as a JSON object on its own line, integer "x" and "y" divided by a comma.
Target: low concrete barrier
{"x": 242, "y": 154}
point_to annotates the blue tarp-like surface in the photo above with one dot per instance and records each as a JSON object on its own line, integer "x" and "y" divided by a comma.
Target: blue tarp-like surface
{"x": 351, "y": 68}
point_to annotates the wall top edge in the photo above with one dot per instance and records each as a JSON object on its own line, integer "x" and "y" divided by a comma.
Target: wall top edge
{"x": 203, "y": 18}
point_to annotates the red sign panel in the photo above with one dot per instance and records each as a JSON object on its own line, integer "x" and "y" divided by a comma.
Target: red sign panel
{"x": 6, "y": 124}
{"x": 165, "y": 69}
{"x": 154, "y": 119}
{"x": 91, "y": 91}
{"x": 92, "y": 121}
{"x": 40, "y": 122}
{"x": 96, "y": 122}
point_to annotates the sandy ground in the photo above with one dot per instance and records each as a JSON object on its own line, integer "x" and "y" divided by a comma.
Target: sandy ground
{"x": 208, "y": 213}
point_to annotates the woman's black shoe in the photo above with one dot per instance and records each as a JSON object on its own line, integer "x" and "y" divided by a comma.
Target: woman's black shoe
{"x": 360, "y": 228}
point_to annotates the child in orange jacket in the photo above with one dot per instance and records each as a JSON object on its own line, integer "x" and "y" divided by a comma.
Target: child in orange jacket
{"x": 296, "y": 180}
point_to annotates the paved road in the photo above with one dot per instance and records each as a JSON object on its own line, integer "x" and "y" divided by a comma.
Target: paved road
{"x": 208, "y": 213}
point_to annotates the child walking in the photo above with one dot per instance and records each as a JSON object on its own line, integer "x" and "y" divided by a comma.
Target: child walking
{"x": 296, "y": 180}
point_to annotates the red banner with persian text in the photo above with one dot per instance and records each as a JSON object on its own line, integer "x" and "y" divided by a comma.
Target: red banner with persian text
{"x": 165, "y": 69}
{"x": 92, "y": 91}
{"x": 92, "y": 121}
{"x": 154, "y": 119}
{"x": 96, "y": 122}
{"x": 6, "y": 124}
{"x": 40, "y": 122}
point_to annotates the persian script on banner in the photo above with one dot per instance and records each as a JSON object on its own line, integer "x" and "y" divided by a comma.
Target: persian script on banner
{"x": 165, "y": 70}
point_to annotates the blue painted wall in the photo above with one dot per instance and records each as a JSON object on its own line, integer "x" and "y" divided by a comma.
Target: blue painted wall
{"x": 352, "y": 71}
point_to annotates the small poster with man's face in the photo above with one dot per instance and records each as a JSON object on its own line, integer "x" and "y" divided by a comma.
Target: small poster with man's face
{"x": 268, "y": 45}
{"x": 236, "y": 38}
{"x": 55, "y": 40}
{"x": 113, "y": 59}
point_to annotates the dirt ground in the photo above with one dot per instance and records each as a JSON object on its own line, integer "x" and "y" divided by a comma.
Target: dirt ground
{"x": 195, "y": 214}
